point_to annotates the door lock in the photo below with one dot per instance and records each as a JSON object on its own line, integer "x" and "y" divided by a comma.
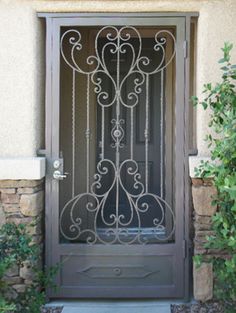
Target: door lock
{"x": 56, "y": 164}
{"x": 59, "y": 176}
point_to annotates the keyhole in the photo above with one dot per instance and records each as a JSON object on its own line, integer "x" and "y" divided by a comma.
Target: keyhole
{"x": 117, "y": 271}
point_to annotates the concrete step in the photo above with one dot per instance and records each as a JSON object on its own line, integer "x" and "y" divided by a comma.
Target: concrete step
{"x": 117, "y": 307}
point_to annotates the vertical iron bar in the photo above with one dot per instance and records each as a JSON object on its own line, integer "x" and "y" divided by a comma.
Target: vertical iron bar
{"x": 146, "y": 132}
{"x": 73, "y": 134}
{"x": 117, "y": 123}
{"x": 131, "y": 133}
{"x": 88, "y": 133}
{"x": 161, "y": 132}
{"x": 102, "y": 132}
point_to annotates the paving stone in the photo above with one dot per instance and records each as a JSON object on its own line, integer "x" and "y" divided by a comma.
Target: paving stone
{"x": 203, "y": 282}
{"x": 10, "y": 198}
{"x": 20, "y": 183}
{"x": 32, "y": 204}
{"x": 37, "y": 239}
{"x": 19, "y": 288}
{"x": 13, "y": 271}
{"x": 202, "y": 199}
{"x": 10, "y": 293}
{"x": 197, "y": 181}
{"x": 26, "y": 271}
{"x": 2, "y": 216}
{"x": 34, "y": 229}
{"x": 11, "y": 208}
{"x": 28, "y": 282}
{"x": 19, "y": 220}
{"x": 13, "y": 280}
{"x": 28, "y": 190}
{"x": 201, "y": 235}
{"x": 203, "y": 219}
{"x": 207, "y": 182}
{"x": 202, "y": 226}
{"x": 8, "y": 190}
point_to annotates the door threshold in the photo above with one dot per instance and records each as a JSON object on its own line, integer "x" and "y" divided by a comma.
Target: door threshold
{"x": 127, "y": 302}
{"x": 114, "y": 306}
{"x": 117, "y": 306}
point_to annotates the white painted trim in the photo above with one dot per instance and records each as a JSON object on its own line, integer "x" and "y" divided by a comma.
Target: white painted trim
{"x": 35, "y": 167}
{"x": 22, "y": 168}
{"x": 194, "y": 161}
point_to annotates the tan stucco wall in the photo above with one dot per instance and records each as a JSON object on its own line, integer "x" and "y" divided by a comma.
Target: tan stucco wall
{"x": 22, "y": 59}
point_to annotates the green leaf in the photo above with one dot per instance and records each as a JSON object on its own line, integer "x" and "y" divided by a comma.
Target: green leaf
{"x": 197, "y": 259}
{"x": 224, "y": 68}
{"x": 222, "y": 60}
{"x": 204, "y": 104}
{"x": 194, "y": 100}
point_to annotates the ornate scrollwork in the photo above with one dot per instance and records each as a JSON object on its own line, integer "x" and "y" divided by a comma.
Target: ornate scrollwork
{"x": 92, "y": 204}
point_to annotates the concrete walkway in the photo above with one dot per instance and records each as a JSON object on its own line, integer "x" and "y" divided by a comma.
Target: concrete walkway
{"x": 115, "y": 306}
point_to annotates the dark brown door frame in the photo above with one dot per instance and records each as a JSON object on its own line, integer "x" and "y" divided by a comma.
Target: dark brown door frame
{"x": 53, "y": 21}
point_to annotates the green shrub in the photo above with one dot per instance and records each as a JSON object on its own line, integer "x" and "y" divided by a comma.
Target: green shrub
{"x": 16, "y": 247}
{"x": 35, "y": 297}
{"x": 5, "y": 307}
{"x": 220, "y": 98}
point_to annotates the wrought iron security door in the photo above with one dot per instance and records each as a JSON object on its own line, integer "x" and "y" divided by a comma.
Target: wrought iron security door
{"x": 117, "y": 212}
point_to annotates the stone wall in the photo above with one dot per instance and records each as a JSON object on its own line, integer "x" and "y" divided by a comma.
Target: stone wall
{"x": 203, "y": 192}
{"x": 22, "y": 202}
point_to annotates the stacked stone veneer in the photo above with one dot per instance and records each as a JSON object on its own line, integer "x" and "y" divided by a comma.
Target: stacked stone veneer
{"x": 22, "y": 202}
{"x": 203, "y": 192}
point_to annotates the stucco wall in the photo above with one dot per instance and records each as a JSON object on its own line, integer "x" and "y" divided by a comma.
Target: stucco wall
{"x": 22, "y": 60}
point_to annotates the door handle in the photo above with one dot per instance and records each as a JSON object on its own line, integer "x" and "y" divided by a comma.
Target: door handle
{"x": 58, "y": 175}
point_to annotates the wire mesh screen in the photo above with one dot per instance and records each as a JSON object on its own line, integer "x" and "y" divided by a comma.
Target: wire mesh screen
{"x": 116, "y": 136}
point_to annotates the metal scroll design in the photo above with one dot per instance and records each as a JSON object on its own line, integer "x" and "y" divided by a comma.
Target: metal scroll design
{"x": 94, "y": 201}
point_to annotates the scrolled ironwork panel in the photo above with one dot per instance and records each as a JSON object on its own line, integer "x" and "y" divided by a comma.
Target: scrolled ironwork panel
{"x": 118, "y": 178}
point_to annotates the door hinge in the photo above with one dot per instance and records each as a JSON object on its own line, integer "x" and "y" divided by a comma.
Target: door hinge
{"x": 185, "y": 49}
{"x": 184, "y": 249}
